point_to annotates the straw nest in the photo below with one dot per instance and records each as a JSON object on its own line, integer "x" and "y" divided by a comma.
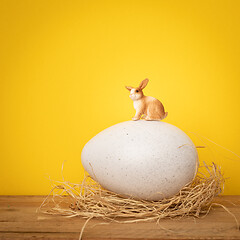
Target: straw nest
{"x": 88, "y": 199}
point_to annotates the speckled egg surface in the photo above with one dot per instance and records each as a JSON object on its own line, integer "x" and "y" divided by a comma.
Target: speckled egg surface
{"x": 149, "y": 160}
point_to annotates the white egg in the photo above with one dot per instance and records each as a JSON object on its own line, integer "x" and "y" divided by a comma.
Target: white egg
{"x": 148, "y": 160}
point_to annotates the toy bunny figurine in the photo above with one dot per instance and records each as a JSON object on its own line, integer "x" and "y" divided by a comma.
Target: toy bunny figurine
{"x": 148, "y": 108}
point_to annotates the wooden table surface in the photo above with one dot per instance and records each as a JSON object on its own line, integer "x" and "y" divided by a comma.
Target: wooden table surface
{"x": 19, "y": 220}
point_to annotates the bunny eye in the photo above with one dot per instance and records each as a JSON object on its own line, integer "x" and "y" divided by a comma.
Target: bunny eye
{"x": 137, "y": 91}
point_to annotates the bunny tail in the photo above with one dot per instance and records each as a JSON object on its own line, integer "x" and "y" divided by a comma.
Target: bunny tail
{"x": 166, "y": 113}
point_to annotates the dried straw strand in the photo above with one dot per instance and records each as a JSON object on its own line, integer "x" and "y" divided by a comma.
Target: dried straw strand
{"x": 88, "y": 199}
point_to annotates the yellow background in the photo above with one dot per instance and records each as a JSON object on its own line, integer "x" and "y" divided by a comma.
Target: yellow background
{"x": 64, "y": 65}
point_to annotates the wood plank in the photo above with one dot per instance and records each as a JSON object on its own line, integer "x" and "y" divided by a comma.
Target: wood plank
{"x": 19, "y": 220}
{"x": 20, "y": 214}
{"x": 28, "y": 236}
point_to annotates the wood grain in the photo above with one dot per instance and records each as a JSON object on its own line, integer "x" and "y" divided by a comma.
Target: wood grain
{"x": 19, "y": 220}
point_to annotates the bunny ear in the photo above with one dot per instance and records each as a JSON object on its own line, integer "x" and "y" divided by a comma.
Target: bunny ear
{"x": 143, "y": 84}
{"x": 128, "y": 88}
